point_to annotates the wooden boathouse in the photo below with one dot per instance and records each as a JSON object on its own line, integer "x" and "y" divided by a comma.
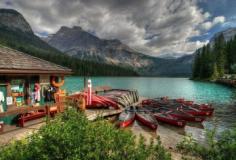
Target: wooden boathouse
{"x": 27, "y": 84}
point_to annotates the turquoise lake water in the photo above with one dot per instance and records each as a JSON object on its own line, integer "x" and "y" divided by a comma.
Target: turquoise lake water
{"x": 222, "y": 97}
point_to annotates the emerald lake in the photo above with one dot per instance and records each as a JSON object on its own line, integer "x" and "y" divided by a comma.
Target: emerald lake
{"x": 222, "y": 97}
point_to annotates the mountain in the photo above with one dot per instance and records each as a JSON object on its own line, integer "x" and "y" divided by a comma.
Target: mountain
{"x": 12, "y": 19}
{"x": 172, "y": 55}
{"x": 228, "y": 35}
{"x": 76, "y": 42}
{"x": 15, "y": 32}
{"x": 85, "y": 53}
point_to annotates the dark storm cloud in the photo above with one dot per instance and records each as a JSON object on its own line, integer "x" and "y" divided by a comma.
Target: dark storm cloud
{"x": 150, "y": 26}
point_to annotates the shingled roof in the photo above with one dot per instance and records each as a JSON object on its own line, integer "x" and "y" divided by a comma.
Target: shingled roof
{"x": 15, "y": 62}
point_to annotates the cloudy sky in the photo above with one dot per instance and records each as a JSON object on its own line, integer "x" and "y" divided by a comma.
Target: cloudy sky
{"x": 154, "y": 27}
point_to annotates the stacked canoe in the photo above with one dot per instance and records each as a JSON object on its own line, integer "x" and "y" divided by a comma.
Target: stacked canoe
{"x": 122, "y": 97}
{"x": 113, "y": 98}
{"x": 97, "y": 101}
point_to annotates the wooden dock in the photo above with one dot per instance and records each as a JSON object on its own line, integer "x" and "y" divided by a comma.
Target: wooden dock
{"x": 93, "y": 114}
{"x": 15, "y": 133}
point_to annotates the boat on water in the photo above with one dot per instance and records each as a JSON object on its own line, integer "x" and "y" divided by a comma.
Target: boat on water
{"x": 169, "y": 119}
{"x": 127, "y": 117}
{"x": 185, "y": 116}
{"x": 187, "y": 109}
{"x": 185, "y": 106}
{"x": 166, "y": 100}
{"x": 146, "y": 118}
{"x": 194, "y": 111}
{"x": 179, "y": 114}
{"x": 203, "y": 107}
{"x": 161, "y": 115}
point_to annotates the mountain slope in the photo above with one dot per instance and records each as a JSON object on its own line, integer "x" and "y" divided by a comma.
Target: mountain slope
{"x": 12, "y": 19}
{"x": 16, "y": 33}
{"x": 228, "y": 34}
{"x": 78, "y": 43}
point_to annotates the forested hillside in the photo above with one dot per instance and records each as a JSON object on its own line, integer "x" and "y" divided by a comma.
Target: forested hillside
{"x": 31, "y": 44}
{"x": 215, "y": 59}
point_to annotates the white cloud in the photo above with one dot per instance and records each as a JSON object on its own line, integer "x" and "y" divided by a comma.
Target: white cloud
{"x": 206, "y": 25}
{"x": 219, "y": 19}
{"x": 209, "y": 24}
{"x": 207, "y": 15}
{"x": 149, "y": 26}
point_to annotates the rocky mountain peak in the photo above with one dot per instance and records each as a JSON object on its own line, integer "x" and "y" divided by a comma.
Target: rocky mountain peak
{"x": 70, "y": 29}
{"x": 228, "y": 35}
{"x": 14, "y": 20}
{"x": 76, "y": 42}
{"x": 114, "y": 41}
{"x": 67, "y": 38}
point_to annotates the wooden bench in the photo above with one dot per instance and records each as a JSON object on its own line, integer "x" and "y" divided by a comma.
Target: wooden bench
{"x": 30, "y": 116}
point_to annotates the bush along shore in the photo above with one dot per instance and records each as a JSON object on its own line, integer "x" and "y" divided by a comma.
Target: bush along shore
{"x": 71, "y": 136}
{"x": 221, "y": 148}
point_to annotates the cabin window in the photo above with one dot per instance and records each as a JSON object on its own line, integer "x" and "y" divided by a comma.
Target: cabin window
{"x": 18, "y": 92}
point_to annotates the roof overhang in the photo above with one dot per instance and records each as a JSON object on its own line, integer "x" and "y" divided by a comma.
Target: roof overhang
{"x": 35, "y": 72}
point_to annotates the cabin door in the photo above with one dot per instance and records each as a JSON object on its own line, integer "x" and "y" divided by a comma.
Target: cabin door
{"x": 9, "y": 119}
{"x": 3, "y": 93}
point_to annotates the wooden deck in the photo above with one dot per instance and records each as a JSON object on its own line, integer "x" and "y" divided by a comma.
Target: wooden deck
{"x": 15, "y": 133}
{"x": 93, "y": 114}
{"x": 20, "y": 110}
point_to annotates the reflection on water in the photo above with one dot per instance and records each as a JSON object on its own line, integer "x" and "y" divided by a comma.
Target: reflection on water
{"x": 222, "y": 97}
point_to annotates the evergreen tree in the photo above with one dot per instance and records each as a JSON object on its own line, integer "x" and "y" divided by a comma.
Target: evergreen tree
{"x": 215, "y": 73}
{"x": 196, "y": 65}
{"x": 231, "y": 55}
{"x": 219, "y": 49}
{"x": 202, "y": 62}
{"x": 205, "y": 63}
{"x": 212, "y": 62}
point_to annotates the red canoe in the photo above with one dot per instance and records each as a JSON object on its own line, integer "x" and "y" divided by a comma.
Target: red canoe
{"x": 167, "y": 118}
{"x": 146, "y": 118}
{"x": 194, "y": 111}
{"x": 187, "y": 109}
{"x": 180, "y": 114}
{"x": 127, "y": 117}
{"x": 185, "y": 116}
{"x": 181, "y": 101}
{"x": 177, "y": 118}
{"x": 203, "y": 107}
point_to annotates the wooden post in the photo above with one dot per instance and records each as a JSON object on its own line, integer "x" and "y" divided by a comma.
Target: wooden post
{"x": 83, "y": 104}
{"x": 47, "y": 108}
{"x": 85, "y": 83}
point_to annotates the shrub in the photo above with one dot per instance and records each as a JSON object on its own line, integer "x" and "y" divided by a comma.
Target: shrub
{"x": 71, "y": 136}
{"x": 222, "y": 149}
